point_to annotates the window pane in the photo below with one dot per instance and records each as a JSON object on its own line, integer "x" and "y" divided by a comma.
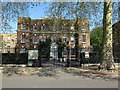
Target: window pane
{"x": 8, "y": 37}
{"x": 8, "y": 45}
{"x": 64, "y": 39}
{"x": 43, "y": 27}
{"x": 43, "y": 38}
{"x": 53, "y": 38}
{"x": 23, "y": 26}
{"x": 72, "y": 27}
{"x": 84, "y": 38}
{"x": 34, "y": 27}
{"x": 22, "y": 50}
{"x": 83, "y": 27}
{"x": 53, "y": 28}
{"x": 35, "y": 39}
{"x": 72, "y": 39}
{"x": 23, "y": 38}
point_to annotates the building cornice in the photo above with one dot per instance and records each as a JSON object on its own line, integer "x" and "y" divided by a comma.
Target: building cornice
{"x": 53, "y": 32}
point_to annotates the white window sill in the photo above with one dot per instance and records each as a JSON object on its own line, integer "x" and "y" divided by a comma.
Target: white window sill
{"x": 83, "y": 29}
{"x": 22, "y": 42}
{"x": 83, "y": 42}
{"x": 35, "y": 42}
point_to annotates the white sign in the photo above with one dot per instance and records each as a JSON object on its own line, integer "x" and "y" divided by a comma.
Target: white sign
{"x": 86, "y": 54}
{"x": 54, "y": 51}
{"x": 32, "y": 54}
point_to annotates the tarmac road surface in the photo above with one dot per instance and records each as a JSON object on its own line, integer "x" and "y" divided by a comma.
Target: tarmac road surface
{"x": 60, "y": 79}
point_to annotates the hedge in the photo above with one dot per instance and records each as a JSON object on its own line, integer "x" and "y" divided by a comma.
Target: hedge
{"x": 14, "y": 58}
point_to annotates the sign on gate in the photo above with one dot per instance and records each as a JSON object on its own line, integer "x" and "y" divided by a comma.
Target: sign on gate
{"x": 54, "y": 51}
{"x": 32, "y": 54}
{"x": 86, "y": 54}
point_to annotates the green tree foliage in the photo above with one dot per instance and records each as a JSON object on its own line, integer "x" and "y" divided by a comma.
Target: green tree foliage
{"x": 44, "y": 47}
{"x": 77, "y": 10}
{"x": 74, "y": 11}
{"x": 96, "y": 39}
{"x": 61, "y": 46}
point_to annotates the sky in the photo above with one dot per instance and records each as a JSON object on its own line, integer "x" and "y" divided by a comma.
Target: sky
{"x": 38, "y": 12}
{"x": 34, "y": 13}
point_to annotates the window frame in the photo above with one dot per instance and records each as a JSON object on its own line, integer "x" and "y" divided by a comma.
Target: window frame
{"x": 34, "y": 27}
{"x": 22, "y": 50}
{"x": 23, "y": 27}
{"x": 35, "y": 41}
{"x": 8, "y": 45}
{"x": 72, "y": 28}
{"x": 43, "y": 27}
{"x": 72, "y": 41}
{"x": 84, "y": 38}
{"x": 23, "y": 40}
{"x": 53, "y": 39}
{"x": 43, "y": 39}
{"x": 8, "y": 37}
{"x": 54, "y": 28}
{"x": 64, "y": 38}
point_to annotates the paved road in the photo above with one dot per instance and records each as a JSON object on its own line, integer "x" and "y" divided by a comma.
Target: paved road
{"x": 60, "y": 79}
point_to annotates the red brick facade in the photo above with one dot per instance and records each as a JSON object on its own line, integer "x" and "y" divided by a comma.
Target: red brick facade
{"x": 28, "y": 29}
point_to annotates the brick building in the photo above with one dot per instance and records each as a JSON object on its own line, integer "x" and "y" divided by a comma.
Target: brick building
{"x": 8, "y": 42}
{"x": 30, "y": 32}
{"x": 116, "y": 40}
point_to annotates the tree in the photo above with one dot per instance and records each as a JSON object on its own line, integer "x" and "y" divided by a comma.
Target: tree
{"x": 44, "y": 49}
{"x": 73, "y": 11}
{"x": 61, "y": 46}
{"x": 96, "y": 39}
{"x": 107, "y": 50}
{"x": 10, "y": 11}
{"x": 77, "y": 10}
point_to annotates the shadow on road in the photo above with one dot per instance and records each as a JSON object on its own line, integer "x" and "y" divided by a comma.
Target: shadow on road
{"x": 56, "y": 71}
{"x": 46, "y": 71}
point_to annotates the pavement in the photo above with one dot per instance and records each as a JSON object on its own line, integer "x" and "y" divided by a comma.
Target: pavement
{"x": 54, "y": 77}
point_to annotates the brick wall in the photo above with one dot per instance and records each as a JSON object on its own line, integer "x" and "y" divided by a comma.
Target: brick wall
{"x": 60, "y": 25}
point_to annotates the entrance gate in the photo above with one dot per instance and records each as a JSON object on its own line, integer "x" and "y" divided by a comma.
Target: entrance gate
{"x": 54, "y": 51}
{"x": 51, "y": 56}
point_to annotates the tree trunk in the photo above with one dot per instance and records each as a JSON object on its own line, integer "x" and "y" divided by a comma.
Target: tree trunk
{"x": 77, "y": 48}
{"x": 107, "y": 61}
{"x": 68, "y": 54}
